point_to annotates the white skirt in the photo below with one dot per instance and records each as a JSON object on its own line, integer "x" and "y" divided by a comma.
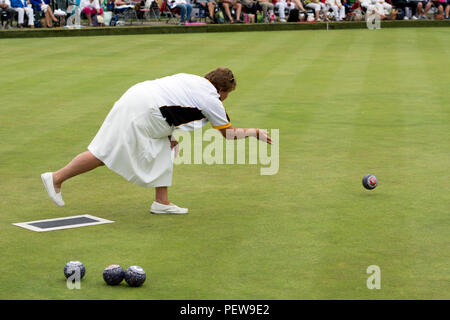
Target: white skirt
{"x": 133, "y": 141}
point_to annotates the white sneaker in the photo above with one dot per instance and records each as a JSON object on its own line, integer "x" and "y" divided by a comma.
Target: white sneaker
{"x": 47, "y": 180}
{"x": 282, "y": 20}
{"x": 159, "y": 208}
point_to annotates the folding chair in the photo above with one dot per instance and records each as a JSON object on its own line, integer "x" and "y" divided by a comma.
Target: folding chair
{"x": 153, "y": 9}
{"x": 137, "y": 6}
{"x": 127, "y": 13}
{"x": 168, "y": 12}
{"x": 199, "y": 12}
{"x": 74, "y": 14}
{"x": 150, "y": 8}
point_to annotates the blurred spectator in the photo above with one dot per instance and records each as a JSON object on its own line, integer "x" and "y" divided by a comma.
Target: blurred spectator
{"x": 299, "y": 5}
{"x": 373, "y": 10}
{"x": 108, "y": 11}
{"x": 119, "y": 8}
{"x": 252, "y": 7}
{"x": 60, "y": 11}
{"x": 317, "y": 6}
{"x": 440, "y": 6}
{"x": 108, "y": 5}
{"x": 384, "y": 7}
{"x": 6, "y": 12}
{"x": 365, "y": 4}
{"x": 249, "y": 6}
{"x": 347, "y": 5}
{"x": 43, "y": 7}
{"x": 91, "y": 8}
{"x": 266, "y": 6}
{"x": 74, "y": 11}
{"x": 121, "y": 5}
{"x": 282, "y": 5}
{"x": 208, "y": 6}
{"x": 21, "y": 7}
{"x": 447, "y": 10}
{"x": 421, "y": 14}
{"x": 185, "y": 9}
{"x": 249, "y": 18}
{"x": 138, "y": 6}
{"x": 355, "y": 12}
{"x": 338, "y": 9}
{"x": 408, "y": 7}
{"x": 232, "y": 4}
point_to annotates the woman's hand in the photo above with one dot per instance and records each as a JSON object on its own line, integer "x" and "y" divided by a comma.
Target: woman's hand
{"x": 263, "y": 136}
{"x": 173, "y": 142}
{"x": 174, "y": 145}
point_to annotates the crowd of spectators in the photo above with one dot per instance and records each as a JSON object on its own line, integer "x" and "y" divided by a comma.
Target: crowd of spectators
{"x": 74, "y": 13}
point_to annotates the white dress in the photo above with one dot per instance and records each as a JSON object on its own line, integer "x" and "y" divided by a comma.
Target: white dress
{"x": 133, "y": 140}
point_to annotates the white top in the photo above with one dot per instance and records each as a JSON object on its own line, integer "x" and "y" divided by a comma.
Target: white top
{"x": 333, "y": 2}
{"x": 133, "y": 139}
{"x": 189, "y": 94}
{"x": 7, "y": 2}
{"x": 93, "y": 5}
{"x": 173, "y": 3}
{"x": 371, "y": 9}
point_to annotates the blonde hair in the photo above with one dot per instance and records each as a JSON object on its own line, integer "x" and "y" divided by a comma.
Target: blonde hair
{"x": 222, "y": 79}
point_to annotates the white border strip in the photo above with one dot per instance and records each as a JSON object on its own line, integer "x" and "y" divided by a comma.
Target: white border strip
{"x": 27, "y": 225}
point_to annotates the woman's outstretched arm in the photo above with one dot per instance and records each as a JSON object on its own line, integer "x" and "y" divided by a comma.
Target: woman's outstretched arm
{"x": 241, "y": 133}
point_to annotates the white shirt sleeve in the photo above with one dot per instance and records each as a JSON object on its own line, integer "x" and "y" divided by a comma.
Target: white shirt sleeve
{"x": 84, "y": 4}
{"x": 216, "y": 115}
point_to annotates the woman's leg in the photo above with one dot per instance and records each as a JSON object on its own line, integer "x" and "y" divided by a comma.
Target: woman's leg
{"x": 441, "y": 10}
{"x": 238, "y": 11}
{"x": 182, "y": 12}
{"x": 62, "y": 21}
{"x": 211, "y": 9}
{"x": 83, "y": 162}
{"x": 52, "y": 16}
{"x": 317, "y": 10}
{"x": 428, "y": 7}
{"x": 161, "y": 205}
{"x": 281, "y": 7}
{"x": 335, "y": 11}
{"x": 324, "y": 8}
{"x": 20, "y": 17}
{"x": 342, "y": 13}
{"x": 226, "y": 6}
{"x": 188, "y": 11}
{"x": 47, "y": 19}
{"x": 77, "y": 17}
{"x": 299, "y": 5}
{"x": 88, "y": 12}
{"x": 264, "y": 7}
{"x": 161, "y": 195}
